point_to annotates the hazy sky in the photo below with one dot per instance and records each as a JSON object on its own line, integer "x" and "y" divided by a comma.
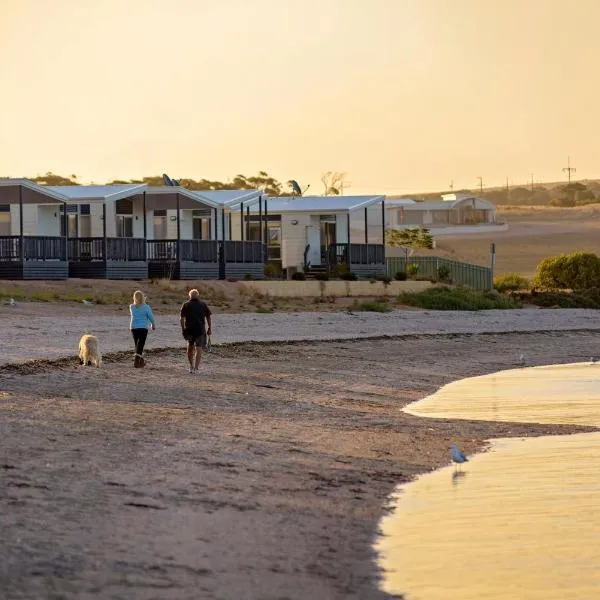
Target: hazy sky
{"x": 403, "y": 95}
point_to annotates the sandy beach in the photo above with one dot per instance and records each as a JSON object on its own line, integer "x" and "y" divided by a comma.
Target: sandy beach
{"x": 263, "y": 477}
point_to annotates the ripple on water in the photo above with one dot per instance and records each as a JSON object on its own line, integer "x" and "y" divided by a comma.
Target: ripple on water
{"x": 521, "y": 520}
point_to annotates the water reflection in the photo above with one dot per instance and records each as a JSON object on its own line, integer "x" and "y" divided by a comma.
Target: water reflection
{"x": 524, "y": 523}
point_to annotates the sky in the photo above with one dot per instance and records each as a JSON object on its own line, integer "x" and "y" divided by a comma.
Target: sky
{"x": 402, "y": 95}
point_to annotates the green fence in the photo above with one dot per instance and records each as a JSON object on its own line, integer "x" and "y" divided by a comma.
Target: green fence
{"x": 474, "y": 276}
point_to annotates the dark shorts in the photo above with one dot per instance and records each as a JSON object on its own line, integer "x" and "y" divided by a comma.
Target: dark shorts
{"x": 195, "y": 338}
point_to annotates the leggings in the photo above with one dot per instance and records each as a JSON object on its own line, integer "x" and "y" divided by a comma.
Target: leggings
{"x": 139, "y": 339}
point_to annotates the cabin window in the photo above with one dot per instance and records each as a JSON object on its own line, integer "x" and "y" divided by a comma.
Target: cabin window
{"x": 124, "y": 226}
{"x": 4, "y": 219}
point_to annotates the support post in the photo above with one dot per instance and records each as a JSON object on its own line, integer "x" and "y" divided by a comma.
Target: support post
{"x": 66, "y": 242}
{"x": 216, "y": 227}
{"x": 21, "y": 245}
{"x": 242, "y": 232}
{"x": 383, "y": 225}
{"x": 260, "y": 226}
{"x": 266, "y": 242}
{"x": 178, "y": 246}
{"x": 145, "y": 226}
{"x": 104, "y": 244}
{"x": 366, "y": 227}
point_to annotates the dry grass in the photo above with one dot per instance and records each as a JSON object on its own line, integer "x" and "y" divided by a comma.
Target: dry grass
{"x": 534, "y": 233}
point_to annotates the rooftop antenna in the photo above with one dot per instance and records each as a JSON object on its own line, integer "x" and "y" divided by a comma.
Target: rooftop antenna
{"x": 295, "y": 188}
{"x": 452, "y": 185}
{"x": 569, "y": 169}
{"x": 167, "y": 180}
{"x": 304, "y": 191}
{"x": 480, "y": 185}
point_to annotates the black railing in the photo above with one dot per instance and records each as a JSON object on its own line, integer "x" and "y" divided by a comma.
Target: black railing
{"x": 199, "y": 250}
{"x": 162, "y": 250}
{"x": 34, "y": 248}
{"x": 356, "y": 254}
{"x": 92, "y": 248}
{"x": 189, "y": 250}
{"x": 243, "y": 252}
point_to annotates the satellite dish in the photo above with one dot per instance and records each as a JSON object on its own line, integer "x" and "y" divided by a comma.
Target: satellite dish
{"x": 167, "y": 180}
{"x": 295, "y": 187}
{"x": 175, "y": 182}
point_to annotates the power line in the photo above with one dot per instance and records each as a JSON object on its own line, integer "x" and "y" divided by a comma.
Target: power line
{"x": 569, "y": 169}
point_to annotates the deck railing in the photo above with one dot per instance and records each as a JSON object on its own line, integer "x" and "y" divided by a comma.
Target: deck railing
{"x": 235, "y": 251}
{"x": 473, "y": 276}
{"x": 92, "y": 248}
{"x": 356, "y": 254}
{"x": 38, "y": 247}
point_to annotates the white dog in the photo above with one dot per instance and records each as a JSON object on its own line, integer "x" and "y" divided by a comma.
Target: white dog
{"x": 89, "y": 351}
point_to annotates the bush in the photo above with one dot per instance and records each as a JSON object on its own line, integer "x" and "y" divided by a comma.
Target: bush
{"x": 412, "y": 269}
{"x": 298, "y": 276}
{"x": 386, "y": 280}
{"x": 349, "y": 276}
{"x": 248, "y": 276}
{"x": 576, "y": 271}
{"x": 400, "y": 276}
{"x": 582, "y": 299}
{"x": 373, "y": 306}
{"x": 510, "y": 282}
{"x": 443, "y": 273}
{"x": 322, "y": 276}
{"x": 272, "y": 270}
{"x": 459, "y": 298}
{"x": 340, "y": 270}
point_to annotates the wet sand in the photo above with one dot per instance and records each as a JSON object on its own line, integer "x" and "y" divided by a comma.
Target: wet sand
{"x": 265, "y": 477}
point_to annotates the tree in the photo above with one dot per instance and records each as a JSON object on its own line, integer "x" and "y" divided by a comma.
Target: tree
{"x": 576, "y": 271}
{"x": 51, "y": 179}
{"x": 333, "y": 182}
{"x": 409, "y": 238}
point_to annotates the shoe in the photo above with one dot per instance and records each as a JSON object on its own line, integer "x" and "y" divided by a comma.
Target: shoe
{"x": 190, "y": 370}
{"x": 138, "y": 361}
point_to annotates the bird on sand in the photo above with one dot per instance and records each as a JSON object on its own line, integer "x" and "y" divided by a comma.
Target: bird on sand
{"x": 458, "y": 456}
{"x": 594, "y": 360}
{"x": 522, "y": 360}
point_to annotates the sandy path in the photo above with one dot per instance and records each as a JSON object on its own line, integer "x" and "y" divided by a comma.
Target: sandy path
{"x": 25, "y": 335}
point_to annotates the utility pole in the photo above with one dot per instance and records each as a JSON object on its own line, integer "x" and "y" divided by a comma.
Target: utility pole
{"x": 507, "y": 190}
{"x": 569, "y": 169}
{"x": 480, "y": 185}
{"x": 452, "y": 185}
{"x": 532, "y": 182}
{"x": 344, "y": 184}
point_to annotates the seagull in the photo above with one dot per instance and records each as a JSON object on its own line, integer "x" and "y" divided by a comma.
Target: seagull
{"x": 12, "y": 302}
{"x": 458, "y": 456}
{"x": 87, "y": 302}
{"x": 522, "y": 360}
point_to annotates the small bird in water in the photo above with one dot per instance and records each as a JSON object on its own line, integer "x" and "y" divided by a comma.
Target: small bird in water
{"x": 458, "y": 456}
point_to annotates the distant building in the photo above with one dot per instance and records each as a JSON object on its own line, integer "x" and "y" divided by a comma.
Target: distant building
{"x": 454, "y": 214}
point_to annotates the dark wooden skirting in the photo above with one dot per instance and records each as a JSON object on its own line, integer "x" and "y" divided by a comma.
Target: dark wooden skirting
{"x": 33, "y": 269}
{"x": 366, "y": 270}
{"x": 196, "y": 270}
{"x": 241, "y": 270}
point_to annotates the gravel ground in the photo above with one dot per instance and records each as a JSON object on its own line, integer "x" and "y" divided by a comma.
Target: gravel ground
{"x": 27, "y": 335}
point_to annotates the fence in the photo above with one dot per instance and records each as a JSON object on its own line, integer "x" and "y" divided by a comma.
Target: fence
{"x": 473, "y": 276}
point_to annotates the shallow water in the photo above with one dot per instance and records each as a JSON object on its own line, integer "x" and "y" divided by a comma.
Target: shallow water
{"x": 520, "y": 521}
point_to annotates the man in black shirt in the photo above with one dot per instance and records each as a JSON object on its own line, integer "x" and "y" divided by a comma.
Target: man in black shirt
{"x": 195, "y": 326}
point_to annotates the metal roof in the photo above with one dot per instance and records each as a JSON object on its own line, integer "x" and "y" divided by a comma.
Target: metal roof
{"x": 36, "y": 187}
{"x": 86, "y": 193}
{"x": 191, "y": 194}
{"x": 320, "y": 204}
{"x": 399, "y": 202}
{"x": 231, "y": 199}
{"x": 480, "y": 203}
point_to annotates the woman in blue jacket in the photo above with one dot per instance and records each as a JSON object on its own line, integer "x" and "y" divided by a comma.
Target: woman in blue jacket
{"x": 141, "y": 319}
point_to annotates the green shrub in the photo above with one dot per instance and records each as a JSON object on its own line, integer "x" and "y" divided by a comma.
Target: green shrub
{"x": 298, "y": 276}
{"x": 349, "y": 276}
{"x": 248, "y": 276}
{"x": 459, "y": 298}
{"x": 322, "y": 276}
{"x": 443, "y": 273}
{"x": 510, "y": 282}
{"x": 340, "y": 270}
{"x": 386, "y": 280}
{"x": 576, "y": 271}
{"x": 549, "y": 299}
{"x": 272, "y": 270}
{"x": 400, "y": 276}
{"x": 412, "y": 269}
{"x": 373, "y": 306}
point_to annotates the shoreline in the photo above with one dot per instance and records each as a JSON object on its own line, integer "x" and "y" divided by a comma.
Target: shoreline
{"x": 267, "y": 478}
